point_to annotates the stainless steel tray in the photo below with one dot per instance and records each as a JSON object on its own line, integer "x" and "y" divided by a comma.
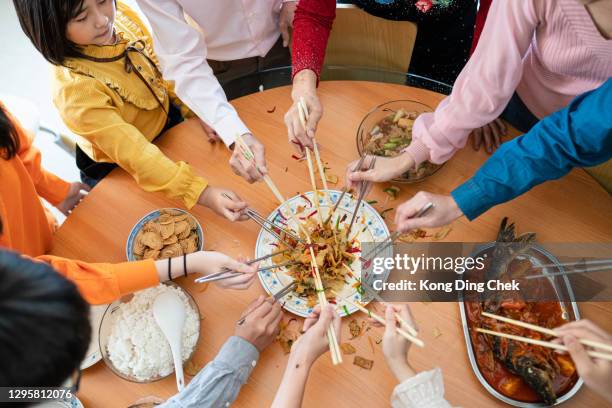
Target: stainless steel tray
{"x": 561, "y": 282}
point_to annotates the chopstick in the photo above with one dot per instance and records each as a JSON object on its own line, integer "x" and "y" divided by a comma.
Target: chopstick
{"x": 304, "y": 112}
{"x": 600, "y": 265}
{"x": 255, "y": 216}
{"x": 395, "y": 235}
{"x": 542, "y": 343}
{"x": 247, "y": 153}
{"x": 586, "y": 342}
{"x": 276, "y": 297}
{"x": 362, "y": 192}
{"x": 344, "y": 191}
{"x": 251, "y": 262}
{"x": 230, "y": 274}
{"x": 382, "y": 321}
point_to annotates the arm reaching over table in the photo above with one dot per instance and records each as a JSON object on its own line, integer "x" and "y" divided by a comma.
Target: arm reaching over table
{"x": 306, "y": 350}
{"x": 596, "y": 373}
{"x": 311, "y": 26}
{"x": 579, "y": 135}
{"x": 422, "y": 390}
{"x": 101, "y": 283}
{"x": 218, "y": 384}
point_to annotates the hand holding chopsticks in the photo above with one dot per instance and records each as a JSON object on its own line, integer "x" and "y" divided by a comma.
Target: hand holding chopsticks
{"x": 233, "y": 274}
{"x": 548, "y": 332}
{"x": 383, "y": 321}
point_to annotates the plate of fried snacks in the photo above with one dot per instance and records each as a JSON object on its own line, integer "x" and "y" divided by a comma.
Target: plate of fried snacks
{"x": 164, "y": 233}
{"x": 338, "y": 256}
{"x": 387, "y": 130}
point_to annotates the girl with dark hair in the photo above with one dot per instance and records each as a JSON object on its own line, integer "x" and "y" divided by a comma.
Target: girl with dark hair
{"x": 109, "y": 91}
{"x": 23, "y": 181}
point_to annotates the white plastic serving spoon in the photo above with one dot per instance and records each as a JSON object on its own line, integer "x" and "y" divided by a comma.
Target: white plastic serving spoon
{"x": 169, "y": 312}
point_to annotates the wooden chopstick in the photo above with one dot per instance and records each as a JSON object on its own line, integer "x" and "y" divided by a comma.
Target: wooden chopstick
{"x": 302, "y": 106}
{"x": 399, "y": 318}
{"x": 550, "y": 332}
{"x": 382, "y": 321}
{"x": 542, "y": 343}
{"x": 247, "y": 153}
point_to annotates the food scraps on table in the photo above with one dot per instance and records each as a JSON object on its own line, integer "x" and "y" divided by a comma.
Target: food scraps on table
{"x": 363, "y": 362}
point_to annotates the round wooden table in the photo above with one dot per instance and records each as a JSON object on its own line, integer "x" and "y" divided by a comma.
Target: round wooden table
{"x": 572, "y": 209}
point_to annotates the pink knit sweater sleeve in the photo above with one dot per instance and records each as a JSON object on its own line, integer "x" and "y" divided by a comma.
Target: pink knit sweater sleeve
{"x": 484, "y": 86}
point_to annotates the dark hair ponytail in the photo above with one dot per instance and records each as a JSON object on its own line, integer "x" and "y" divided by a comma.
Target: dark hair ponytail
{"x": 9, "y": 140}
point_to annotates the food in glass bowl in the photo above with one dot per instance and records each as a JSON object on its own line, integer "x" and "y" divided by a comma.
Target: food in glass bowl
{"x": 387, "y": 130}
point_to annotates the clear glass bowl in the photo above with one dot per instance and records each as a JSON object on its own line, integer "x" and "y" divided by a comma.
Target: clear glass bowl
{"x": 375, "y": 116}
{"x": 107, "y": 324}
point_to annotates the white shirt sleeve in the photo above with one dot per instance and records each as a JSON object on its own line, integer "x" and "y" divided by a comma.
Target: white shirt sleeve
{"x": 424, "y": 390}
{"x": 182, "y": 51}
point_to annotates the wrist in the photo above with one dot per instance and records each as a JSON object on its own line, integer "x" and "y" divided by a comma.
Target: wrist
{"x": 454, "y": 208}
{"x": 401, "y": 369}
{"x": 299, "y": 357}
{"x": 304, "y": 82}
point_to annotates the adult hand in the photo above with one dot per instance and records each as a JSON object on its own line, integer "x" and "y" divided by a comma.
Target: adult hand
{"x": 313, "y": 343}
{"x": 261, "y": 324}
{"x": 76, "y": 193}
{"x": 285, "y": 23}
{"x": 211, "y": 133}
{"x": 385, "y": 169}
{"x": 217, "y": 200}
{"x": 444, "y": 211}
{"x": 209, "y": 262}
{"x": 304, "y": 88}
{"x": 249, "y": 170}
{"x": 489, "y": 135}
{"x": 596, "y": 373}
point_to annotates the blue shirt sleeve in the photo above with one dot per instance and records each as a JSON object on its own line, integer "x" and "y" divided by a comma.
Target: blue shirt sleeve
{"x": 579, "y": 135}
{"x": 218, "y": 384}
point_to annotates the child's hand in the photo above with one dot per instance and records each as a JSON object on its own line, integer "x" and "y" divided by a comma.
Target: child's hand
{"x": 215, "y": 199}
{"x": 395, "y": 347}
{"x": 596, "y": 373}
{"x": 254, "y": 170}
{"x": 213, "y": 262}
{"x": 313, "y": 343}
{"x": 75, "y": 194}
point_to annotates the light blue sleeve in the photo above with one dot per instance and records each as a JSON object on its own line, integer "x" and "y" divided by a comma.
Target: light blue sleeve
{"x": 218, "y": 384}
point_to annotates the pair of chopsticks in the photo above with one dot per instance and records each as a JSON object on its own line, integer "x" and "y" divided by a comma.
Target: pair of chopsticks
{"x": 382, "y": 245}
{"x": 230, "y": 274}
{"x": 598, "y": 265}
{"x": 402, "y": 331}
{"x": 224, "y": 271}
{"x": 363, "y": 187}
{"x": 275, "y": 298}
{"x": 247, "y": 153}
{"x": 544, "y": 330}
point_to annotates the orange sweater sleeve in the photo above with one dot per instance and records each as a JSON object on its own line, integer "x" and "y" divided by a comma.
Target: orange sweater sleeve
{"x": 48, "y": 185}
{"x": 101, "y": 283}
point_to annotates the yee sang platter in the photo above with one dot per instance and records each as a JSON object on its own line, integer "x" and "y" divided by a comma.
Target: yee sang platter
{"x": 337, "y": 254}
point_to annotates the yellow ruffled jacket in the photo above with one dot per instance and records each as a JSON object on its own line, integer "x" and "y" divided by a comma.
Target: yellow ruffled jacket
{"x": 116, "y": 115}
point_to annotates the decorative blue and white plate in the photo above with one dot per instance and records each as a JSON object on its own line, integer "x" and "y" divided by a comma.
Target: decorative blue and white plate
{"x": 369, "y": 223}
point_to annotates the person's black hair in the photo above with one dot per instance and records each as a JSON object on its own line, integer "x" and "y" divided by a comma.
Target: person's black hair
{"x": 45, "y": 22}
{"x": 44, "y": 324}
{"x": 9, "y": 140}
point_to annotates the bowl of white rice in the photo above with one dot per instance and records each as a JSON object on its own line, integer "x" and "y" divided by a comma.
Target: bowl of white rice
{"x": 132, "y": 344}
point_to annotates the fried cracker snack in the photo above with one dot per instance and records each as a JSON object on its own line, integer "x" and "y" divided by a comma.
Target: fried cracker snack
{"x": 171, "y": 234}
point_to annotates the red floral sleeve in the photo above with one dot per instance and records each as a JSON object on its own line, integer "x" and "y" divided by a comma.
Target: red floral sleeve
{"x": 311, "y": 26}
